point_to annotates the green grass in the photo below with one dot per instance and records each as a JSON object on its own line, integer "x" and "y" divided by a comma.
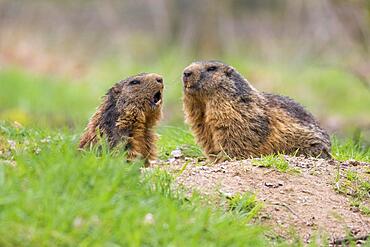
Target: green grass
{"x": 58, "y": 196}
{"x": 277, "y": 162}
{"x": 357, "y": 186}
{"x": 172, "y": 138}
{"x": 350, "y": 149}
{"x": 44, "y": 101}
{"x": 245, "y": 204}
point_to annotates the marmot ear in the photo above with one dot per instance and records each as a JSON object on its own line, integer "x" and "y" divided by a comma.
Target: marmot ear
{"x": 229, "y": 71}
{"x": 113, "y": 93}
{"x": 115, "y": 90}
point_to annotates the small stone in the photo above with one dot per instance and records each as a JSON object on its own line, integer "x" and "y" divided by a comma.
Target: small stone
{"x": 309, "y": 223}
{"x": 265, "y": 217}
{"x": 272, "y": 185}
{"x": 345, "y": 163}
{"x": 171, "y": 160}
{"x": 355, "y": 231}
{"x": 353, "y": 162}
{"x": 228, "y": 195}
{"x": 176, "y": 153}
{"x": 355, "y": 209}
{"x": 307, "y": 192}
{"x": 267, "y": 184}
{"x": 331, "y": 162}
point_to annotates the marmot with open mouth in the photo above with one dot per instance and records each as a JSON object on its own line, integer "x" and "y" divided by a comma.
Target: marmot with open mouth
{"x": 129, "y": 112}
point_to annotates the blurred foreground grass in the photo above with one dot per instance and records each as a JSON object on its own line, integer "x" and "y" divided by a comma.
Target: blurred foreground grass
{"x": 53, "y": 195}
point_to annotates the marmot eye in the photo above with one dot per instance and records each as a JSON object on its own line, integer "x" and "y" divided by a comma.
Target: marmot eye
{"x": 212, "y": 68}
{"x": 134, "y": 82}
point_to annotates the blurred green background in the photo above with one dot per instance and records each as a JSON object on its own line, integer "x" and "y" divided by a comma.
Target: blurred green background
{"x": 57, "y": 58}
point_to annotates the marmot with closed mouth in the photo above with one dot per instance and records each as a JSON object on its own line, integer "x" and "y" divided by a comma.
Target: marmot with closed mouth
{"x": 229, "y": 117}
{"x": 128, "y": 113}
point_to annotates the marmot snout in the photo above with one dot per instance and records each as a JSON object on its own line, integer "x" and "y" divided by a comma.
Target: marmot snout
{"x": 128, "y": 113}
{"x": 228, "y": 115}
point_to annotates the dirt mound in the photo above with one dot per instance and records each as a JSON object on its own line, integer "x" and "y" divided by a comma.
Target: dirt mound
{"x": 306, "y": 201}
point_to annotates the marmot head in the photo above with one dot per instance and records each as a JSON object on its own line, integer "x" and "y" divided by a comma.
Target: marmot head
{"x": 144, "y": 91}
{"x": 211, "y": 77}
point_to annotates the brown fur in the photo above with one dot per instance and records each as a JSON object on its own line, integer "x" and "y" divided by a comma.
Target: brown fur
{"x": 230, "y": 117}
{"x": 128, "y": 113}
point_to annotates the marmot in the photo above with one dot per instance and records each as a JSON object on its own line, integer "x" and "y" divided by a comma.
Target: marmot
{"x": 230, "y": 117}
{"x": 128, "y": 113}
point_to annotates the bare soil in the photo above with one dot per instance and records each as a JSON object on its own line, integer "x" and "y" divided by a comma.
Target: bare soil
{"x": 305, "y": 202}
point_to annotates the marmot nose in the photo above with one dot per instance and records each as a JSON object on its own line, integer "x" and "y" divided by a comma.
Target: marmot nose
{"x": 187, "y": 73}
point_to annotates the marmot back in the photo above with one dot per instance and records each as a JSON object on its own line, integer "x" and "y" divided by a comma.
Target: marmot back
{"x": 229, "y": 116}
{"x": 128, "y": 113}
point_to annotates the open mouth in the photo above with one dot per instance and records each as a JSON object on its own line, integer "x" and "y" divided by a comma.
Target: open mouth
{"x": 157, "y": 98}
